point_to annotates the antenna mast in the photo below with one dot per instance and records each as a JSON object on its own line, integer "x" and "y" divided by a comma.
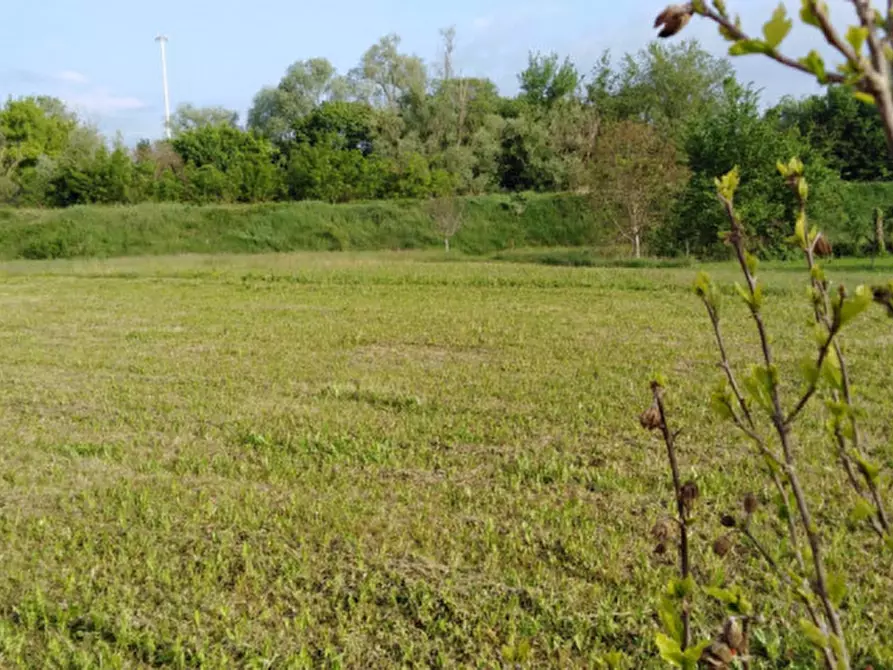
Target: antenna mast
{"x": 162, "y": 40}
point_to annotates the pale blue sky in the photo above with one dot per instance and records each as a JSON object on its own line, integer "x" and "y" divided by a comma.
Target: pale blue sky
{"x": 100, "y": 57}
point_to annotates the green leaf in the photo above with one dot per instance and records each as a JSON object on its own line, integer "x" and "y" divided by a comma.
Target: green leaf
{"x": 870, "y": 470}
{"x": 778, "y": 27}
{"x": 744, "y": 293}
{"x": 720, "y": 6}
{"x": 861, "y": 512}
{"x": 693, "y": 654}
{"x": 681, "y": 588}
{"x": 721, "y": 403}
{"x": 856, "y": 36}
{"x": 670, "y": 650}
{"x": 728, "y": 183}
{"x": 853, "y": 306}
{"x": 809, "y": 370}
{"x": 864, "y": 97}
{"x": 807, "y": 15}
{"x": 671, "y": 619}
{"x": 815, "y": 64}
{"x": 803, "y": 189}
{"x": 746, "y": 47}
{"x": 812, "y": 632}
{"x": 836, "y": 584}
{"x": 800, "y": 229}
{"x": 751, "y": 261}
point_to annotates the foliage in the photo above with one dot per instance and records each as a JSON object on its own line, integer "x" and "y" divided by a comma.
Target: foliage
{"x": 490, "y": 223}
{"x": 734, "y": 133}
{"x": 756, "y": 404}
{"x": 635, "y": 174}
{"x": 379, "y": 459}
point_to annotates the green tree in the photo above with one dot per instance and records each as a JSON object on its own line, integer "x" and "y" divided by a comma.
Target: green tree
{"x": 736, "y": 133}
{"x": 846, "y": 130}
{"x": 634, "y": 173}
{"x": 241, "y": 159}
{"x": 547, "y": 81}
{"x": 188, "y": 117}
{"x": 668, "y": 85}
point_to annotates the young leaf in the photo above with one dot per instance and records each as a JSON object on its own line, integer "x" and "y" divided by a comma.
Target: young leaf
{"x": 854, "y": 306}
{"x": 861, "y": 512}
{"x": 808, "y": 15}
{"x": 669, "y": 650}
{"x": 752, "y": 262}
{"x": 870, "y": 470}
{"x": 815, "y": 64}
{"x": 814, "y": 634}
{"x": 836, "y": 588}
{"x": 856, "y": 36}
{"x": 671, "y": 619}
{"x": 746, "y": 47}
{"x": 864, "y": 97}
{"x": 800, "y": 229}
{"x": 778, "y": 27}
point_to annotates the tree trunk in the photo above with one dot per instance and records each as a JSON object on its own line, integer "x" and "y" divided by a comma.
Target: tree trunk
{"x": 880, "y": 240}
{"x": 638, "y": 246}
{"x": 446, "y": 244}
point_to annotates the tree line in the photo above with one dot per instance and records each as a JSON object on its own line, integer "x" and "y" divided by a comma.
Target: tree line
{"x": 643, "y": 136}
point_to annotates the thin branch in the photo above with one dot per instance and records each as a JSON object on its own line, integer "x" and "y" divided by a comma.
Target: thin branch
{"x": 814, "y": 385}
{"x": 670, "y": 442}
{"x": 820, "y": 587}
{"x": 738, "y": 35}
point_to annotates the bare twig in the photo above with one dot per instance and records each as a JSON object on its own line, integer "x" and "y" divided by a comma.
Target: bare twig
{"x": 682, "y": 507}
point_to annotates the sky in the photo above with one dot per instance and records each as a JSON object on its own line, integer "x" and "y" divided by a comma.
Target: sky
{"x": 100, "y": 57}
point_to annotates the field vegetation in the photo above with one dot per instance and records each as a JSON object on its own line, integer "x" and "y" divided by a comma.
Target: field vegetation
{"x": 355, "y": 460}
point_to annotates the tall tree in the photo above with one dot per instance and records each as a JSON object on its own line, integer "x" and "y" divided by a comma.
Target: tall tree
{"x": 667, "y": 85}
{"x": 546, "y": 80}
{"x": 189, "y": 117}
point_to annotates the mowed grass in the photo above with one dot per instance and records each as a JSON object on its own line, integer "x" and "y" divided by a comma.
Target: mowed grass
{"x": 366, "y": 461}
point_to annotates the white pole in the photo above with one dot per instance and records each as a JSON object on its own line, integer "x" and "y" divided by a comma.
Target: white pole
{"x": 162, "y": 40}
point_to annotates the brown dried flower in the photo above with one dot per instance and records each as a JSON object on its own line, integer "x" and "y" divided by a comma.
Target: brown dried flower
{"x": 722, "y": 546}
{"x": 750, "y": 503}
{"x": 729, "y": 521}
{"x": 650, "y": 418}
{"x": 733, "y": 634}
{"x": 688, "y": 494}
{"x": 660, "y": 549}
{"x": 673, "y": 19}
{"x": 662, "y": 530}
{"x": 822, "y": 246}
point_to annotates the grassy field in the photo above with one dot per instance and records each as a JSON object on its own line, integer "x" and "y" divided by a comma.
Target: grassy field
{"x": 366, "y": 461}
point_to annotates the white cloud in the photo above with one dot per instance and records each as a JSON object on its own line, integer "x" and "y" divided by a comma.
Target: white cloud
{"x": 101, "y": 102}
{"x": 72, "y": 77}
{"x": 482, "y": 23}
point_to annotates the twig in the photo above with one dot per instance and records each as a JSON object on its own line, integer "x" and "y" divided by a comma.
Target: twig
{"x": 775, "y": 55}
{"x": 820, "y": 587}
{"x": 685, "y": 568}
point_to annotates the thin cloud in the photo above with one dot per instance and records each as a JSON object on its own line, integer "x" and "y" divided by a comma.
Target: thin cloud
{"x": 72, "y": 77}
{"x": 103, "y": 103}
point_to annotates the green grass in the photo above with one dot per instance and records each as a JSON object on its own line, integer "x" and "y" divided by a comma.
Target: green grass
{"x": 491, "y": 223}
{"x": 358, "y": 461}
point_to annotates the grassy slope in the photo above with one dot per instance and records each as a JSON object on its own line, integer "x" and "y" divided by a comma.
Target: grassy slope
{"x": 353, "y": 461}
{"x": 492, "y": 223}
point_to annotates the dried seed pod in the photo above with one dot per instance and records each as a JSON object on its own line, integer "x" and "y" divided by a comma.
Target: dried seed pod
{"x": 660, "y": 549}
{"x": 662, "y": 530}
{"x": 718, "y": 655}
{"x": 673, "y": 19}
{"x": 722, "y": 546}
{"x": 729, "y": 521}
{"x": 650, "y": 418}
{"x": 689, "y": 494}
{"x": 750, "y": 503}
{"x": 822, "y": 246}
{"x": 733, "y": 634}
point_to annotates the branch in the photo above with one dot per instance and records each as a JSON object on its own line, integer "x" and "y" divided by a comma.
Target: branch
{"x": 814, "y": 385}
{"x": 820, "y": 586}
{"x": 681, "y": 508}
{"x": 775, "y": 55}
